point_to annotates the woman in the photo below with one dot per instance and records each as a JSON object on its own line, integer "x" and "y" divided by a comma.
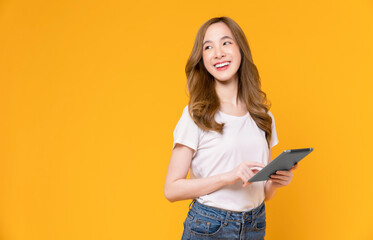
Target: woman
{"x": 225, "y": 134}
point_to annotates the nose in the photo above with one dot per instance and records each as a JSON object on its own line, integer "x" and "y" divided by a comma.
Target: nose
{"x": 219, "y": 53}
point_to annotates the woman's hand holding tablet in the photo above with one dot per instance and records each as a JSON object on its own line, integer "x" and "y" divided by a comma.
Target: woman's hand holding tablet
{"x": 284, "y": 164}
{"x": 282, "y": 178}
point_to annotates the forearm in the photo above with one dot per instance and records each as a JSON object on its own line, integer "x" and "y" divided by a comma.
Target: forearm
{"x": 269, "y": 191}
{"x": 183, "y": 189}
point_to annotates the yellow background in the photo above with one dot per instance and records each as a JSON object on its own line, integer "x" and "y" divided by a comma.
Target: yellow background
{"x": 90, "y": 93}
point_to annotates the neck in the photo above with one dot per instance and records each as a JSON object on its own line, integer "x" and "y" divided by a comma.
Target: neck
{"x": 227, "y": 91}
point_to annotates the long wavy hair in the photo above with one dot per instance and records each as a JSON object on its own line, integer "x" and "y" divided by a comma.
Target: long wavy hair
{"x": 203, "y": 99}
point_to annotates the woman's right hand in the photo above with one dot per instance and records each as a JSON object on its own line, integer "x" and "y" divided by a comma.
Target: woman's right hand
{"x": 243, "y": 172}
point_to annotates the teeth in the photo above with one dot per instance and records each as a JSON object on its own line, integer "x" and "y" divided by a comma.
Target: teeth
{"x": 222, "y": 64}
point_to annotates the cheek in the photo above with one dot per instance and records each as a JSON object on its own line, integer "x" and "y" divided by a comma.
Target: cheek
{"x": 238, "y": 55}
{"x": 239, "y": 61}
{"x": 205, "y": 59}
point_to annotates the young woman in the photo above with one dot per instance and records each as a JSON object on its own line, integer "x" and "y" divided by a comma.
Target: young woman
{"x": 225, "y": 134}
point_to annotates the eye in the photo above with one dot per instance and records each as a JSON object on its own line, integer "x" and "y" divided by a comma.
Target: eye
{"x": 207, "y": 47}
{"x": 227, "y": 42}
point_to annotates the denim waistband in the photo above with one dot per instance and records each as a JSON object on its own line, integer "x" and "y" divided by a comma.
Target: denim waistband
{"x": 227, "y": 215}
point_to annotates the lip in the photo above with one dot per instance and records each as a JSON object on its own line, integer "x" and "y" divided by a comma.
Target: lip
{"x": 222, "y": 68}
{"x": 221, "y": 62}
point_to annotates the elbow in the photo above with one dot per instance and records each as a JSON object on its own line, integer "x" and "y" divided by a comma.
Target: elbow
{"x": 171, "y": 200}
{"x": 168, "y": 195}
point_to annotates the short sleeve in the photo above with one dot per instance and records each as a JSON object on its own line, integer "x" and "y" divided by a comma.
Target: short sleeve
{"x": 186, "y": 131}
{"x": 274, "y": 138}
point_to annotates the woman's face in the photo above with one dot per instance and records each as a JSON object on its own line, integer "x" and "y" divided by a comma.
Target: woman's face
{"x": 220, "y": 52}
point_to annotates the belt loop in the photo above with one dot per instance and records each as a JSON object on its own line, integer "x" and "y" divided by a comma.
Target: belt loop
{"x": 191, "y": 204}
{"x": 226, "y": 218}
{"x": 257, "y": 209}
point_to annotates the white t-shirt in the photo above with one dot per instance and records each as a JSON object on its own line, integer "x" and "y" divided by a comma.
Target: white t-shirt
{"x": 217, "y": 153}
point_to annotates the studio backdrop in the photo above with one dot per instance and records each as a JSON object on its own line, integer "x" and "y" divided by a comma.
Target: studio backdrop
{"x": 91, "y": 91}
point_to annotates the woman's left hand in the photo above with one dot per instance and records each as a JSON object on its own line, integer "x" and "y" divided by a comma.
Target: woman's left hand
{"x": 282, "y": 178}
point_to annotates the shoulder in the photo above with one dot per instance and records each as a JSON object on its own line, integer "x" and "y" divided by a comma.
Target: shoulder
{"x": 186, "y": 117}
{"x": 270, "y": 114}
{"x": 186, "y": 108}
{"x": 186, "y": 112}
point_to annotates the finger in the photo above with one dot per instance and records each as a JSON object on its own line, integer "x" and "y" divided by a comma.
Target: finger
{"x": 255, "y": 164}
{"x": 252, "y": 173}
{"x": 292, "y": 169}
{"x": 285, "y": 173}
{"x": 281, "y": 182}
{"x": 295, "y": 166}
{"x": 279, "y": 177}
{"x": 246, "y": 177}
{"x": 247, "y": 183}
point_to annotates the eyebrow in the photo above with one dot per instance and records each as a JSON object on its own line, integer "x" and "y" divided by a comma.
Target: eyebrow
{"x": 220, "y": 39}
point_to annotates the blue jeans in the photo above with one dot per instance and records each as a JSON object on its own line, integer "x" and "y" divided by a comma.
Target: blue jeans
{"x": 205, "y": 222}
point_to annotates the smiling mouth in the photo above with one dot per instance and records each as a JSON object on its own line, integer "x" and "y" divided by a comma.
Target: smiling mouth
{"x": 222, "y": 66}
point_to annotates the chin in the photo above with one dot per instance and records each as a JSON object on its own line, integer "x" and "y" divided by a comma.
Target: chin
{"x": 224, "y": 78}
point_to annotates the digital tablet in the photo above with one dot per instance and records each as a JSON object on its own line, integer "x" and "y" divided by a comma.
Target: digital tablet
{"x": 283, "y": 162}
